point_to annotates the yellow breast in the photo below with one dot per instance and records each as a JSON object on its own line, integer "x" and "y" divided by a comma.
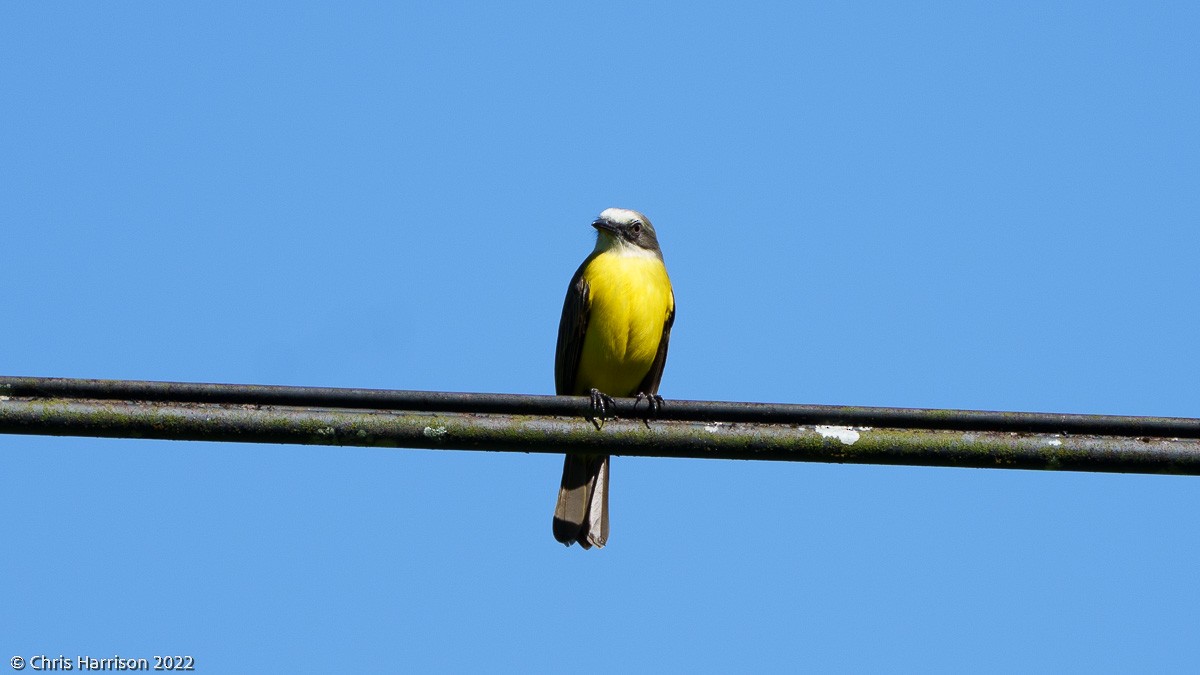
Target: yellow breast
{"x": 630, "y": 298}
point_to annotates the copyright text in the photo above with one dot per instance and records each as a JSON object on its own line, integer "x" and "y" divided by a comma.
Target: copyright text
{"x": 41, "y": 662}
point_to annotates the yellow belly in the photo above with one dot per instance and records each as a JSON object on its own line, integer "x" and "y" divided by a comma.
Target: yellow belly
{"x": 630, "y": 299}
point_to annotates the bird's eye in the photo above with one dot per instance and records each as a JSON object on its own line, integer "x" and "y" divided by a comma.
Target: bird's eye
{"x": 636, "y": 228}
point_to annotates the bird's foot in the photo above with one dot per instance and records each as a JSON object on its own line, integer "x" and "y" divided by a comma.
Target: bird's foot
{"x": 654, "y": 404}
{"x": 601, "y": 404}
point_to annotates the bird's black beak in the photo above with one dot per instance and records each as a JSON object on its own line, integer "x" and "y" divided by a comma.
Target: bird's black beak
{"x": 606, "y": 225}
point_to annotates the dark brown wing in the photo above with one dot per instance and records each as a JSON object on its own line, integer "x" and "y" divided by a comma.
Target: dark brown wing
{"x": 571, "y": 329}
{"x": 649, "y": 383}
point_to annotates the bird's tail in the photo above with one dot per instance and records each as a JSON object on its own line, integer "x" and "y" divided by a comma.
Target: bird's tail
{"x": 582, "y": 511}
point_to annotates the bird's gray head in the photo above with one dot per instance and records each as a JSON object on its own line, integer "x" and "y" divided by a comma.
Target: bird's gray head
{"x": 627, "y": 232}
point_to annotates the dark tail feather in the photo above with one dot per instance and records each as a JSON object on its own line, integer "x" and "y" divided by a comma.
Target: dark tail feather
{"x": 581, "y": 514}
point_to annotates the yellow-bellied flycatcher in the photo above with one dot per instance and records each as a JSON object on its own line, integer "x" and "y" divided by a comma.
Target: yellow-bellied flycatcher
{"x": 612, "y": 341}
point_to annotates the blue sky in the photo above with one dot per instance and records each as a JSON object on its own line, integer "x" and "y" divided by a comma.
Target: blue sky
{"x": 927, "y": 205}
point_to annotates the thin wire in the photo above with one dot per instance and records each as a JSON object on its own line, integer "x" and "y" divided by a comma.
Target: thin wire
{"x": 517, "y": 423}
{"x": 679, "y": 410}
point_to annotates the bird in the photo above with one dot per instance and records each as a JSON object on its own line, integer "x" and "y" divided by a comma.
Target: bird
{"x": 612, "y": 341}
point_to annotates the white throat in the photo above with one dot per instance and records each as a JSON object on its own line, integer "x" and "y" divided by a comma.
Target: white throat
{"x": 606, "y": 243}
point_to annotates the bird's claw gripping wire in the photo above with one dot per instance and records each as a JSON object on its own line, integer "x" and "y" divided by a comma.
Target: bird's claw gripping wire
{"x": 601, "y": 404}
{"x": 654, "y": 404}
